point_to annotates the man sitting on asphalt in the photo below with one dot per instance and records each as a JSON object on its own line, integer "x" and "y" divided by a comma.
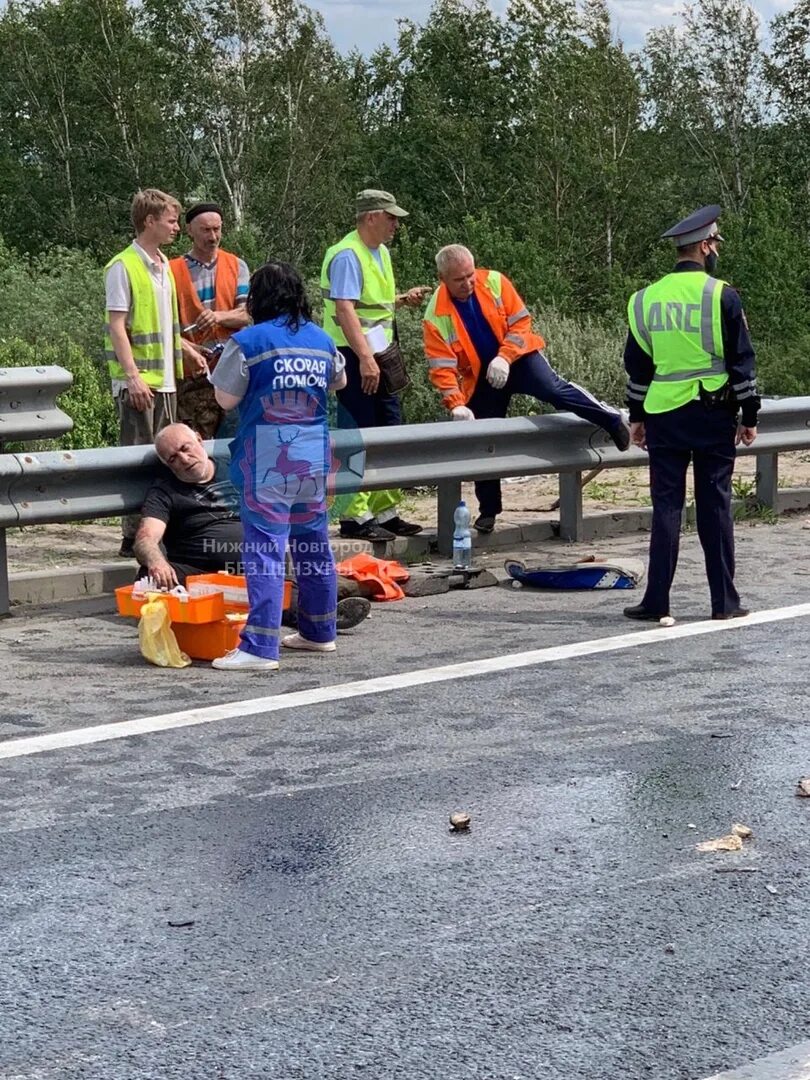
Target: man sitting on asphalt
{"x": 481, "y": 350}
{"x": 189, "y": 524}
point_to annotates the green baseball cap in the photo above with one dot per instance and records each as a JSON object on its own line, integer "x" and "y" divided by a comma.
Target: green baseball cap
{"x": 371, "y": 199}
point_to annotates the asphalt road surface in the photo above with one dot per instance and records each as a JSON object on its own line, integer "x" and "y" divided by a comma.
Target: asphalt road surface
{"x": 271, "y": 890}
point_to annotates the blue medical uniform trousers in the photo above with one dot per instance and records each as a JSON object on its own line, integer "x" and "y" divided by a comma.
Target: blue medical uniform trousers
{"x": 263, "y": 554}
{"x": 533, "y": 375}
{"x": 706, "y": 438}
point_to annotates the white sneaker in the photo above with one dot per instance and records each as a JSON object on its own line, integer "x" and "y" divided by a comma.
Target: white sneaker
{"x": 295, "y": 641}
{"x": 239, "y": 660}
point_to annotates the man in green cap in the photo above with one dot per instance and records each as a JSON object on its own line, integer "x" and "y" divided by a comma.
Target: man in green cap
{"x": 360, "y": 297}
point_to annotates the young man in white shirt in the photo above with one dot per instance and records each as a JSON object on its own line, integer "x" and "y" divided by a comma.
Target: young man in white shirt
{"x": 142, "y": 338}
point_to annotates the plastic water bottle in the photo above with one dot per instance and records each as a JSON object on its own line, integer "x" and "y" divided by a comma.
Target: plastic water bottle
{"x": 462, "y": 538}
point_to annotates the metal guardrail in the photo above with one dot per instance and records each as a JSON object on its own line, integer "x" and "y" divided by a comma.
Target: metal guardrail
{"x": 28, "y": 411}
{"x": 61, "y": 486}
{"x": 28, "y": 407}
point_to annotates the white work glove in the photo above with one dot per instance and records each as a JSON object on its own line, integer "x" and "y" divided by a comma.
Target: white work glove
{"x": 498, "y": 373}
{"x": 461, "y": 412}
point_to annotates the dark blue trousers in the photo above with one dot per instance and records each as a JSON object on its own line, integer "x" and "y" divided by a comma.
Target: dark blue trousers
{"x": 706, "y": 437}
{"x": 533, "y": 375}
{"x": 359, "y": 410}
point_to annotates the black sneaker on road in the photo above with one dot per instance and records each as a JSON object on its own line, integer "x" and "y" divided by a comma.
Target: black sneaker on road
{"x": 365, "y": 530}
{"x": 398, "y": 527}
{"x": 351, "y": 611}
{"x": 643, "y": 614}
{"x": 484, "y": 524}
{"x": 737, "y": 613}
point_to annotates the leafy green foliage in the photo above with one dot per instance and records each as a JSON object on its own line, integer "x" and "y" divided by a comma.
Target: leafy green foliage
{"x": 534, "y": 137}
{"x": 88, "y": 402}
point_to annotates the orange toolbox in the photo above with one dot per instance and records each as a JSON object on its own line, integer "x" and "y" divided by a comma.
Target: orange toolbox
{"x": 182, "y": 609}
{"x": 207, "y": 641}
{"x": 208, "y": 621}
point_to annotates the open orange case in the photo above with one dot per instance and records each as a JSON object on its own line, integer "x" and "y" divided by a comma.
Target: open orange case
{"x": 206, "y": 625}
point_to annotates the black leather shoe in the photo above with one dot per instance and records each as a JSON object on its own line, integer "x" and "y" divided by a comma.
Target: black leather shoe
{"x": 621, "y": 437}
{"x": 351, "y": 611}
{"x": 402, "y": 528}
{"x": 127, "y": 549}
{"x": 737, "y": 613}
{"x": 484, "y": 524}
{"x": 366, "y": 530}
{"x": 643, "y": 614}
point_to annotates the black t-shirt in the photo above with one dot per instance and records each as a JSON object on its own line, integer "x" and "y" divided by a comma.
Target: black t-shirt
{"x": 202, "y": 521}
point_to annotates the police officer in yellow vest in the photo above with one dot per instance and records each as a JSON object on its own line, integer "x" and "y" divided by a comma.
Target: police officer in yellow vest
{"x": 690, "y": 367}
{"x": 357, "y": 282}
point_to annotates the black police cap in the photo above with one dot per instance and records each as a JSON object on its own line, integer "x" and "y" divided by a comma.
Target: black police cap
{"x": 702, "y": 225}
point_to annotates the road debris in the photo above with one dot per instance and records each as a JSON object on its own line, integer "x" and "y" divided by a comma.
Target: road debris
{"x": 745, "y": 832}
{"x": 772, "y": 889}
{"x": 803, "y": 787}
{"x": 670, "y": 948}
{"x": 666, "y": 620}
{"x": 722, "y": 734}
{"x": 459, "y": 822}
{"x": 736, "y": 869}
{"x": 737, "y": 785}
{"x": 732, "y": 842}
{"x": 187, "y": 922}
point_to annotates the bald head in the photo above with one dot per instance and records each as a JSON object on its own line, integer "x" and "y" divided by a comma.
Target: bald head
{"x": 168, "y": 436}
{"x": 181, "y": 449}
{"x": 456, "y": 267}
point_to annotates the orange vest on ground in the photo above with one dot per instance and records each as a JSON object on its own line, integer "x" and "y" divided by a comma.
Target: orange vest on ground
{"x": 383, "y": 574}
{"x": 453, "y": 363}
{"x": 227, "y": 278}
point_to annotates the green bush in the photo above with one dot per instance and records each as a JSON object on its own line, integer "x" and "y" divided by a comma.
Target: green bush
{"x": 783, "y": 370}
{"x": 54, "y": 295}
{"x": 88, "y": 402}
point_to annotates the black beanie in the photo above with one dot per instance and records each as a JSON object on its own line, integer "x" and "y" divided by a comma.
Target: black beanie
{"x": 202, "y": 208}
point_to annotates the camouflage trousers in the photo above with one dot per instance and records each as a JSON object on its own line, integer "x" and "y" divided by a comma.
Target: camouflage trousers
{"x": 197, "y": 406}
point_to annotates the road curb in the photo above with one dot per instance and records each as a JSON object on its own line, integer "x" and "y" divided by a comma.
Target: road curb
{"x": 95, "y": 579}
{"x": 70, "y": 583}
{"x": 98, "y": 578}
{"x": 791, "y": 1064}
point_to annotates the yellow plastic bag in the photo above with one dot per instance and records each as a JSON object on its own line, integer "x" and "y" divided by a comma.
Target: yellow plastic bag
{"x": 156, "y": 637}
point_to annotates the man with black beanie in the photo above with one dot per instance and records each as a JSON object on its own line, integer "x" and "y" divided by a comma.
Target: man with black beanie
{"x": 212, "y": 288}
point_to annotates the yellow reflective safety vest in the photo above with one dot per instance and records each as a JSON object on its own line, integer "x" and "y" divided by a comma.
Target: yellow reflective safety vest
{"x": 677, "y": 322}
{"x": 145, "y": 333}
{"x": 378, "y": 298}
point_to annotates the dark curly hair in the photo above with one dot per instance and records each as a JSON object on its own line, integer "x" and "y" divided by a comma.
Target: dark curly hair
{"x": 277, "y": 292}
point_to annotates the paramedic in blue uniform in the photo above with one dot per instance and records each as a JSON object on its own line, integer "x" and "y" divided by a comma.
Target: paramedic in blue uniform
{"x": 692, "y": 395}
{"x": 279, "y": 372}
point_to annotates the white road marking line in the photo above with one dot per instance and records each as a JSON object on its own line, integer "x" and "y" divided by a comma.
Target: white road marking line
{"x": 146, "y": 725}
{"x": 792, "y": 1064}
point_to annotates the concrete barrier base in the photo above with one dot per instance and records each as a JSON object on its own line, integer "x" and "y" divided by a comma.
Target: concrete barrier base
{"x": 94, "y": 579}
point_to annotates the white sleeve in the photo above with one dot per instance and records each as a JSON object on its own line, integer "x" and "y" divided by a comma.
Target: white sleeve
{"x": 117, "y": 288}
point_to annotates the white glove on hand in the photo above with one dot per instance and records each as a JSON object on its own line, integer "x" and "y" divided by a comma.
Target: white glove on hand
{"x": 498, "y": 373}
{"x": 461, "y": 412}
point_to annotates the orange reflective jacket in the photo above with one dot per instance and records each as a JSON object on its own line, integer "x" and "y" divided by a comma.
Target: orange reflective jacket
{"x": 453, "y": 363}
{"x": 227, "y": 279}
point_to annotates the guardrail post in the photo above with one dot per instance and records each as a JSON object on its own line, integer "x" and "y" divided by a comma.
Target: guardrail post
{"x": 5, "y": 606}
{"x": 768, "y": 480}
{"x": 571, "y": 506}
{"x": 449, "y": 497}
